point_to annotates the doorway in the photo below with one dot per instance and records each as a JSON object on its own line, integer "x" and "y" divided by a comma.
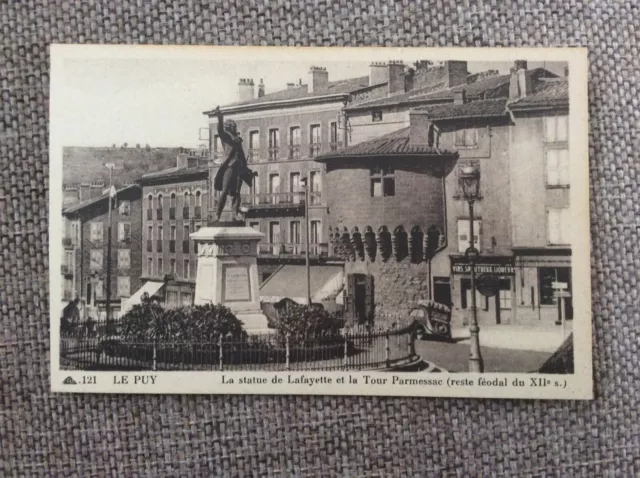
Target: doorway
{"x": 442, "y": 290}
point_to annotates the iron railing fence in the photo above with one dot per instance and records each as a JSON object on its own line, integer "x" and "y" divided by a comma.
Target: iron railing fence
{"x": 99, "y": 346}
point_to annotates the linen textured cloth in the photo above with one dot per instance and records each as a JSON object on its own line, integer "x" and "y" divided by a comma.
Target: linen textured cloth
{"x": 45, "y": 434}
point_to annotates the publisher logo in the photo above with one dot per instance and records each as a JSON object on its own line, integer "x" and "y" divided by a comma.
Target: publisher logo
{"x": 69, "y": 381}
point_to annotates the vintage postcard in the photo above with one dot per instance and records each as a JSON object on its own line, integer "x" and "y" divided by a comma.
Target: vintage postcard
{"x": 330, "y": 221}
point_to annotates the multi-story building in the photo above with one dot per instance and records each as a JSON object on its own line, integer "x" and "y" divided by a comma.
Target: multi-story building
{"x": 174, "y": 205}
{"x": 385, "y": 107}
{"x": 521, "y": 224}
{"x": 85, "y": 242}
{"x": 283, "y": 132}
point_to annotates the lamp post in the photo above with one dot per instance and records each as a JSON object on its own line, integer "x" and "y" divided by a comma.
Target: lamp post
{"x": 470, "y": 179}
{"x": 304, "y": 185}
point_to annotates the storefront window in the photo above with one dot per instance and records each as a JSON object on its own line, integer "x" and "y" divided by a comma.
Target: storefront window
{"x": 482, "y": 302}
{"x": 547, "y": 276}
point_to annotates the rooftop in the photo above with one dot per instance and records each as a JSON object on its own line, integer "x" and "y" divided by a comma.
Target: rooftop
{"x": 396, "y": 143}
{"x": 481, "y": 87}
{"x": 300, "y": 92}
{"x": 550, "y": 92}
{"x": 89, "y": 202}
{"x": 175, "y": 173}
{"x": 472, "y": 109}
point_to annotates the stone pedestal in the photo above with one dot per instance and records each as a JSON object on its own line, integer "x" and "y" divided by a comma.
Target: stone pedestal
{"x": 227, "y": 271}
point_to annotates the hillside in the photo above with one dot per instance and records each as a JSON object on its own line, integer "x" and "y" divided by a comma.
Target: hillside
{"x": 86, "y": 164}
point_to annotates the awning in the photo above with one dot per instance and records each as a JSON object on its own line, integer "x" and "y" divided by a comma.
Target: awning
{"x": 149, "y": 287}
{"x": 291, "y": 281}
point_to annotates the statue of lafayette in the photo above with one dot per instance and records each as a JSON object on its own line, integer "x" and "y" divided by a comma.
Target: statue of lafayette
{"x": 233, "y": 170}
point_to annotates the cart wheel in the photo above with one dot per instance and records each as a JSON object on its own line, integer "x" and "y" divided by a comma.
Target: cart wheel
{"x": 441, "y": 329}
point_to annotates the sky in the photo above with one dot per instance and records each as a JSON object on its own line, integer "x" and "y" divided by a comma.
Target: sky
{"x": 160, "y": 101}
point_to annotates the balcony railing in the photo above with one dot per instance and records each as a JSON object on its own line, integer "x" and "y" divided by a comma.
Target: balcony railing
{"x": 288, "y": 249}
{"x": 314, "y": 149}
{"x": 294, "y": 151}
{"x": 274, "y": 154}
{"x": 253, "y": 155}
{"x": 266, "y": 200}
{"x": 335, "y": 145}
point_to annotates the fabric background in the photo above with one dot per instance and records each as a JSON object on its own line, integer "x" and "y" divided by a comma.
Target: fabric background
{"x": 43, "y": 434}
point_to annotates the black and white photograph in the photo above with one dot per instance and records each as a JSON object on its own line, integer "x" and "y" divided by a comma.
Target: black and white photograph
{"x": 387, "y": 221}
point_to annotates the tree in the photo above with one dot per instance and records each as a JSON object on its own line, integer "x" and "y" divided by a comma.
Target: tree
{"x": 137, "y": 145}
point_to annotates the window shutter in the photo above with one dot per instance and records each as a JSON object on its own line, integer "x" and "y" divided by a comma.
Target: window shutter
{"x": 369, "y": 298}
{"x": 553, "y": 177}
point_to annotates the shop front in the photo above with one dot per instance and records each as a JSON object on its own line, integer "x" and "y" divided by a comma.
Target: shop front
{"x": 543, "y": 285}
{"x": 495, "y": 290}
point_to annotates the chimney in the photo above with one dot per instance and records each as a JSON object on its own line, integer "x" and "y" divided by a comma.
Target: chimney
{"x": 396, "y": 77}
{"x": 455, "y": 73}
{"x": 245, "y": 89}
{"x": 291, "y": 86}
{"x": 378, "y": 73}
{"x": 318, "y": 79}
{"x": 85, "y": 191}
{"x": 96, "y": 190}
{"x": 71, "y": 195}
{"x": 182, "y": 161}
{"x": 261, "y": 89}
{"x": 519, "y": 83}
{"x": 419, "y": 124}
{"x": 459, "y": 97}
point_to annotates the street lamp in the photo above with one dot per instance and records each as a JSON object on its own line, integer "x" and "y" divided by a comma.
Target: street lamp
{"x": 303, "y": 183}
{"x": 110, "y": 167}
{"x": 470, "y": 182}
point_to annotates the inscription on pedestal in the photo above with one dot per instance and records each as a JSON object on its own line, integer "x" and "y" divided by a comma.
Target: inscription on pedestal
{"x": 236, "y": 284}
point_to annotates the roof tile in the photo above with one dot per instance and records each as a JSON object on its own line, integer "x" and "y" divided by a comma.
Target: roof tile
{"x": 472, "y": 109}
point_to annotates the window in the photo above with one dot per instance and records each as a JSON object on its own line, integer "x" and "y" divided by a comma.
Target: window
{"x": 314, "y": 140}
{"x": 99, "y": 291}
{"x": 187, "y": 205}
{"x": 198, "y": 199}
{"x": 172, "y": 297}
{"x": 124, "y": 286}
{"x": 96, "y": 231}
{"x": 315, "y": 191}
{"x": 505, "y": 299}
{"x": 255, "y": 185}
{"x": 294, "y": 142}
{"x": 124, "y": 258}
{"x": 294, "y": 187}
{"x": 185, "y": 239}
{"x": 466, "y": 137}
{"x": 172, "y": 264}
{"x": 376, "y": 116}
{"x": 315, "y": 233}
{"x": 160, "y": 267}
{"x": 186, "y": 270}
{"x": 274, "y": 187}
{"x": 75, "y": 232}
{"x": 96, "y": 259}
{"x": 124, "y": 208}
{"x": 334, "y": 135}
{"x": 255, "y": 226}
{"x": 556, "y": 129}
{"x": 383, "y": 182}
{"x": 274, "y": 144}
{"x": 274, "y": 232}
{"x": 546, "y": 277}
{"x": 217, "y": 146}
{"x": 294, "y": 235}
{"x": 464, "y": 234}
{"x": 160, "y": 233}
{"x": 150, "y": 202}
{"x": 254, "y": 145}
{"x": 124, "y": 231}
{"x": 160, "y": 205}
{"x": 172, "y": 206}
{"x": 150, "y": 266}
{"x": 557, "y": 167}
{"x": 172, "y": 233}
{"x": 559, "y": 226}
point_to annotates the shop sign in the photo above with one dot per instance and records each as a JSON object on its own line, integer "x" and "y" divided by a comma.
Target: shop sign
{"x": 498, "y": 266}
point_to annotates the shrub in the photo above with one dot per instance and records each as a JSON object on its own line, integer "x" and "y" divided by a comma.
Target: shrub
{"x": 199, "y": 323}
{"x": 304, "y": 324}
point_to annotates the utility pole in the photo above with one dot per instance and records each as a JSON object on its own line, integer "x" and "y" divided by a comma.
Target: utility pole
{"x": 111, "y": 195}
